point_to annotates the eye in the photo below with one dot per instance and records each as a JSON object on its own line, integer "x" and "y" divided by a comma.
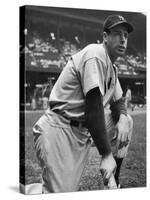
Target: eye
{"x": 126, "y": 35}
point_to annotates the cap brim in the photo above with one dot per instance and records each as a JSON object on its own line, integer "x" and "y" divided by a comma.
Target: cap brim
{"x": 126, "y": 24}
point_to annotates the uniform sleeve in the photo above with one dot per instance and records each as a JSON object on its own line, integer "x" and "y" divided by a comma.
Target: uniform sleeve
{"x": 118, "y": 91}
{"x": 92, "y": 75}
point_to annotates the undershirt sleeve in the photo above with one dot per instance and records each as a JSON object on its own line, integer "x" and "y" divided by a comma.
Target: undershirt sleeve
{"x": 95, "y": 120}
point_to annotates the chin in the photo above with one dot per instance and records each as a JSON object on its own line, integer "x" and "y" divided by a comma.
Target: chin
{"x": 120, "y": 53}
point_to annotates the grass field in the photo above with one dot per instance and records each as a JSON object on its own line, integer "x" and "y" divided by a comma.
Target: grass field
{"x": 133, "y": 173}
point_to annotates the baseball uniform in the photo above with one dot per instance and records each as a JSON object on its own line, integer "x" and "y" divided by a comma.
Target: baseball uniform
{"x": 62, "y": 140}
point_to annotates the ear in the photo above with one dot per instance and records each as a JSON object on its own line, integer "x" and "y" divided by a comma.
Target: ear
{"x": 105, "y": 37}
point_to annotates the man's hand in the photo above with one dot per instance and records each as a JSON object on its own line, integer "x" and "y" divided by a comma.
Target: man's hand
{"x": 108, "y": 166}
{"x": 122, "y": 136}
{"x": 122, "y": 129}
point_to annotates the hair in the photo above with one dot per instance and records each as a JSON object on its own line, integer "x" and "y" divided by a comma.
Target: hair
{"x": 106, "y": 30}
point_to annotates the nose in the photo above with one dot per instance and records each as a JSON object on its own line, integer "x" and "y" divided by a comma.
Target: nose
{"x": 123, "y": 39}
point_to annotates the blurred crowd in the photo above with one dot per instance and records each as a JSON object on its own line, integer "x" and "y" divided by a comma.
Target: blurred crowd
{"x": 130, "y": 64}
{"x": 44, "y": 52}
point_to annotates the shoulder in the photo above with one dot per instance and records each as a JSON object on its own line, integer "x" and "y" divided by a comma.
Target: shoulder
{"x": 89, "y": 52}
{"x": 92, "y": 50}
{"x": 95, "y": 48}
{"x": 96, "y": 51}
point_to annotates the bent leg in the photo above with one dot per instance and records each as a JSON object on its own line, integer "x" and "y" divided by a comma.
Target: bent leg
{"x": 62, "y": 155}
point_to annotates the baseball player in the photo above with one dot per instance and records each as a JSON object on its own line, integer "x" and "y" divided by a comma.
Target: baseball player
{"x": 77, "y": 116}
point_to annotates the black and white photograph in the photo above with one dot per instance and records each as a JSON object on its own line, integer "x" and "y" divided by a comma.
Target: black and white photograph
{"x": 82, "y": 99}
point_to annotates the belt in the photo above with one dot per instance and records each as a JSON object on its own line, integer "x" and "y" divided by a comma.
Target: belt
{"x": 73, "y": 122}
{"x": 78, "y": 124}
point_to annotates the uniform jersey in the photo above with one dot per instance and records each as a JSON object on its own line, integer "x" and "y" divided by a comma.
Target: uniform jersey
{"x": 87, "y": 69}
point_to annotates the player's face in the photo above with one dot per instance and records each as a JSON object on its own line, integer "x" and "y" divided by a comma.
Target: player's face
{"x": 117, "y": 41}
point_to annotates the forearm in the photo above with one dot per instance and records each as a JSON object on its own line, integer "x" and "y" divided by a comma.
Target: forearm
{"x": 118, "y": 109}
{"x": 94, "y": 114}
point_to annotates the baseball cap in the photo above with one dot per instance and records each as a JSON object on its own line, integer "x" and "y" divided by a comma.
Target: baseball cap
{"x": 114, "y": 20}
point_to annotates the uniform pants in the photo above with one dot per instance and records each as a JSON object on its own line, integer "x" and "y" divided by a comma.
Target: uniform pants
{"x": 63, "y": 150}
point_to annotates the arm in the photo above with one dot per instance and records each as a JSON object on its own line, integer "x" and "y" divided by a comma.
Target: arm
{"x": 94, "y": 114}
{"x": 119, "y": 115}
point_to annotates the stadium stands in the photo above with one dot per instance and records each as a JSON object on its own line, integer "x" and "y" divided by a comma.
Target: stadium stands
{"x": 45, "y": 54}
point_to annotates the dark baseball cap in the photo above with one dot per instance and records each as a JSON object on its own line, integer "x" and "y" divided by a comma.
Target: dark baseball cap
{"x": 114, "y": 20}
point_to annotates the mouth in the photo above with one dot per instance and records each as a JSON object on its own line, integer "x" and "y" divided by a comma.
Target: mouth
{"x": 121, "y": 48}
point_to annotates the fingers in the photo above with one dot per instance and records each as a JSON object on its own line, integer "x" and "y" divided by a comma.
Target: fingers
{"x": 108, "y": 165}
{"x": 115, "y": 136}
{"x": 104, "y": 173}
{"x": 122, "y": 135}
{"x": 106, "y": 176}
{"x": 122, "y": 129}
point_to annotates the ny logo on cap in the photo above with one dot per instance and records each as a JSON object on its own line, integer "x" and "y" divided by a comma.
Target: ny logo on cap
{"x": 121, "y": 18}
